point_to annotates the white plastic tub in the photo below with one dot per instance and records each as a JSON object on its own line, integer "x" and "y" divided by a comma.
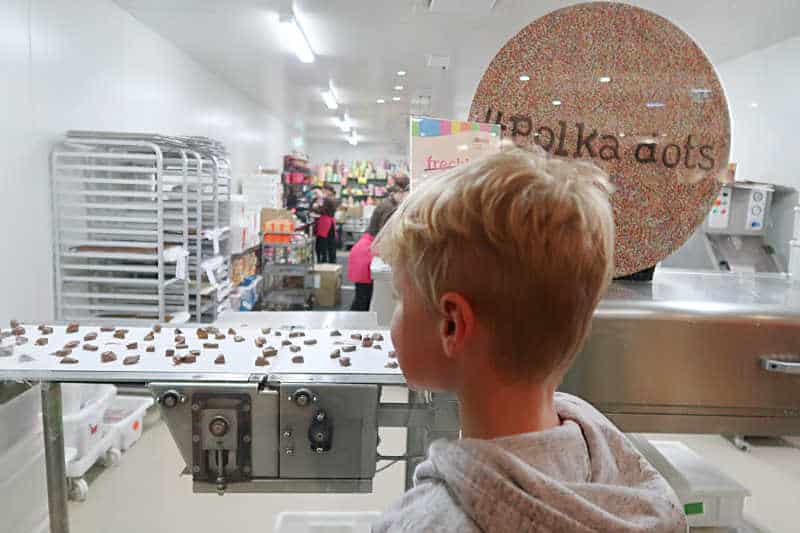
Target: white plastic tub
{"x": 83, "y": 428}
{"x": 23, "y": 484}
{"x": 126, "y": 416}
{"x": 322, "y": 522}
{"x": 22, "y": 414}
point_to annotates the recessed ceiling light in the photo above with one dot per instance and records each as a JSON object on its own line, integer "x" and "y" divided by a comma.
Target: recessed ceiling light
{"x": 556, "y": 103}
{"x": 524, "y": 77}
{"x": 297, "y": 39}
{"x": 395, "y": 98}
{"x": 380, "y": 101}
{"x": 604, "y": 79}
{"x": 754, "y": 104}
{"x": 329, "y": 99}
{"x": 398, "y": 87}
{"x": 401, "y": 72}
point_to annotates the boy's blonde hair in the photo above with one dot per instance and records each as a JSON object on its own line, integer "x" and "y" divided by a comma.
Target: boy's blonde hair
{"x": 528, "y": 240}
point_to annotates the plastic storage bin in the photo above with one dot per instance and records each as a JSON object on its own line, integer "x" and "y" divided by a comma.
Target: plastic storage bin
{"x": 83, "y": 428}
{"x": 23, "y": 484}
{"x": 322, "y": 522}
{"x": 125, "y": 417}
{"x": 23, "y": 415}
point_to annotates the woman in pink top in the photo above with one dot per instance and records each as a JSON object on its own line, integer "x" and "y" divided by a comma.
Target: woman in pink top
{"x": 326, "y": 232}
{"x": 361, "y": 253}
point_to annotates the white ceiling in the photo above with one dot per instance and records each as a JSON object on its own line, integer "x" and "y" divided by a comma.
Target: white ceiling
{"x": 361, "y": 44}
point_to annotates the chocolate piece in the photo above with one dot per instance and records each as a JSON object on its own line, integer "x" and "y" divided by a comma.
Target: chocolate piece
{"x": 180, "y": 339}
{"x": 297, "y": 359}
{"x": 367, "y": 342}
{"x": 377, "y": 337}
{"x": 260, "y": 342}
{"x": 107, "y": 357}
{"x": 348, "y": 348}
{"x": 377, "y": 346}
{"x": 344, "y": 361}
{"x": 211, "y": 346}
{"x": 220, "y": 360}
{"x": 336, "y": 333}
{"x": 189, "y": 359}
{"x": 356, "y": 336}
{"x": 25, "y": 358}
{"x": 195, "y": 353}
{"x": 46, "y": 330}
{"x": 90, "y": 347}
{"x": 62, "y": 353}
{"x": 238, "y": 338}
{"x": 261, "y": 361}
{"x": 310, "y": 342}
{"x": 231, "y": 331}
{"x": 176, "y": 360}
{"x": 212, "y": 330}
{"x": 220, "y": 336}
{"x": 278, "y": 333}
{"x": 294, "y": 349}
{"x": 13, "y": 324}
{"x": 42, "y": 341}
{"x": 169, "y": 353}
{"x": 157, "y": 328}
{"x": 336, "y": 353}
{"x": 73, "y": 327}
{"x": 296, "y": 334}
{"x": 392, "y": 364}
{"x": 90, "y": 336}
{"x": 265, "y": 331}
{"x": 71, "y": 345}
{"x": 286, "y": 342}
{"x": 130, "y": 360}
{"x": 22, "y": 340}
{"x": 392, "y": 354}
{"x": 181, "y": 346}
{"x": 149, "y": 337}
{"x": 119, "y": 334}
{"x": 178, "y": 331}
{"x": 150, "y": 348}
{"x": 132, "y": 345}
{"x": 107, "y": 329}
{"x": 269, "y": 352}
{"x": 201, "y": 333}
{"x": 18, "y": 331}
{"x": 69, "y": 361}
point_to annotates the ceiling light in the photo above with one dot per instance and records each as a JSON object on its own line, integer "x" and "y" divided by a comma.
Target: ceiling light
{"x": 398, "y": 87}
{"x": 524, "y": 77}
{"x": 380, "y": 101}
{"x": 330, "y": 99}
{"x": 344, "y": 123}
{"x": 333, "y": 90}
{"x": 754, "y": 104}
{"x": 353, "y": 138}
{"x": 401, "y": 73}
{"x": 395, "y": 98}
{"x": 604, "y": 79}
{"x": 556, "y": 103}
{"x": 297, "y": 39}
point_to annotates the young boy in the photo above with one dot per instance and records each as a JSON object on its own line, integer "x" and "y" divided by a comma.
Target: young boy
{"x": 499, "y": 266}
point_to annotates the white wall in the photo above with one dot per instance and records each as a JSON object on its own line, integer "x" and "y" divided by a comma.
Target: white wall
{"x": 87, "y": 64}
{"x": 327, "y": 152}
{"x": 764, "y": 136}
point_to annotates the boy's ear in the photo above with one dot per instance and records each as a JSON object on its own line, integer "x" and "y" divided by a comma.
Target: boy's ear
{"x": 457, "y": 323}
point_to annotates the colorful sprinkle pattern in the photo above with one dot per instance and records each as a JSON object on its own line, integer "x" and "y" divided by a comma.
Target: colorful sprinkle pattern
{"x": 435, "y": 127}
{"x": 650, "y": 94}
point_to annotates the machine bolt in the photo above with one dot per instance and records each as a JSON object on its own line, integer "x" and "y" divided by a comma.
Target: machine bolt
{"x": 170, "y": 399}
{"x": 246, "y": 439}
{"x": 302, "y": 397}
{"x": 315, "y": 399}
{"x": 320, "y": 416}
{"x": 218, "y": 426}
{"x": 289, "y": 451}
{"x": 287, "y": 433}
{"x": 195, "y": 438}
{"x": 319, "y": 450}
{"x": 195, "y": 407}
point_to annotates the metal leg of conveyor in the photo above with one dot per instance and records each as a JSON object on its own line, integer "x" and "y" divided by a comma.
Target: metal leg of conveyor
{"x": 416, "y": 438}
{"x": 54, "y": 457}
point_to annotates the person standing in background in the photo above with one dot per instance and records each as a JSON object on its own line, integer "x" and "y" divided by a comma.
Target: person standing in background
{"x": 360, "y": 259}
{"x": 326, "y": 232}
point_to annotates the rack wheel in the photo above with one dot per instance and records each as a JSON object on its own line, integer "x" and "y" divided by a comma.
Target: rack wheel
{"x": 112, "y": 458}
{"x": 78, "y": 489}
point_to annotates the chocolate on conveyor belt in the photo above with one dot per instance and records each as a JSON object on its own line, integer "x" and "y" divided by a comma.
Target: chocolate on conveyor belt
{"x": 265, "y": 331}
{"x": 130, "y": 360}
{"x": 18, "y": 331}
{"x": 231, "y": 331}
{"x": 120, "y": 334}
{"x": 238, "y": 338}
{"x": 377, "y": 346}
{"x": 107, "y": 329}
{"x": 90, "y": 336}
{"x": 21, "y": 340}
{"x": 90, "y": 347}
{"x": 178, "y": 331}
{"x": 278, "y": 333}
{"x": 260, "y": 342}
{"x": 25, "y": 358}
{"x": 392, "y": 364}
{"x": 180, "y": 339}
{"x": 62, "y": 353}
{"x": 132, "y": 345}
{"x": 201, "y": 333}
{"x": 195, "y": 353}
{"x": 298, "y": 359}
{"x": 261, "y": 361}
{"x": 73, "y": 327}
{"x": 336, "y": 333}
{"x": 46, "y": 330}
{"x": 348, "y": 348}
{"x": 41, "y": 341}
{"x": 181, "y": 346}
{"x": 294, "y": 348}
{"x": 149, "y": 337}
{"x": 108, "y": 357}
{"x": 220, "y": 336}
{"x": 286, "y": 342}
{"x": 269, "y": 352}
{"x": 392, "y": 354}
{"x": 310, "y": 342}
{"x": 14, "y": 324}
{"x": 356, "y": 336}
{"x": 69, "y": 361}
{"x": 377, "y": 337}
{"x": 220, "y": 360}
{"x": 294, "y": 334}
{"x": 336, "y": 353}
{"x": 367, "y": 342}
{"x": 344, "y": 361}
{"x": 210, "y": 345}
{"x": 157, "y": 328}
{"x": 169, "y": 352}
{"x": 151, "y": 348}
{"x": 71, "y": 345}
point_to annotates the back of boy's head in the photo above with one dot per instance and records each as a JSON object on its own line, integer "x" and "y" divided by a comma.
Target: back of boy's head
{"x": 527, "y": 240}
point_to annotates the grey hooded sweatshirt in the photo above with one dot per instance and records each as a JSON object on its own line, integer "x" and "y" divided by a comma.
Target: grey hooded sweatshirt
{"x": 582, "y": 476}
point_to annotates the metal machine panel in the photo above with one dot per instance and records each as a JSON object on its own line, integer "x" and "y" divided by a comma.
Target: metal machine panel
{"x": 328, "y": 431}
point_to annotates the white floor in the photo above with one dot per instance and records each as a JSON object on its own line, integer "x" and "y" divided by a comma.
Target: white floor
{"x": 146, "y": 494}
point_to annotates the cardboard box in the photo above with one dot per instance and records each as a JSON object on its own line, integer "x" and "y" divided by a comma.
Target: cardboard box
{"x": 327, "y": 284}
